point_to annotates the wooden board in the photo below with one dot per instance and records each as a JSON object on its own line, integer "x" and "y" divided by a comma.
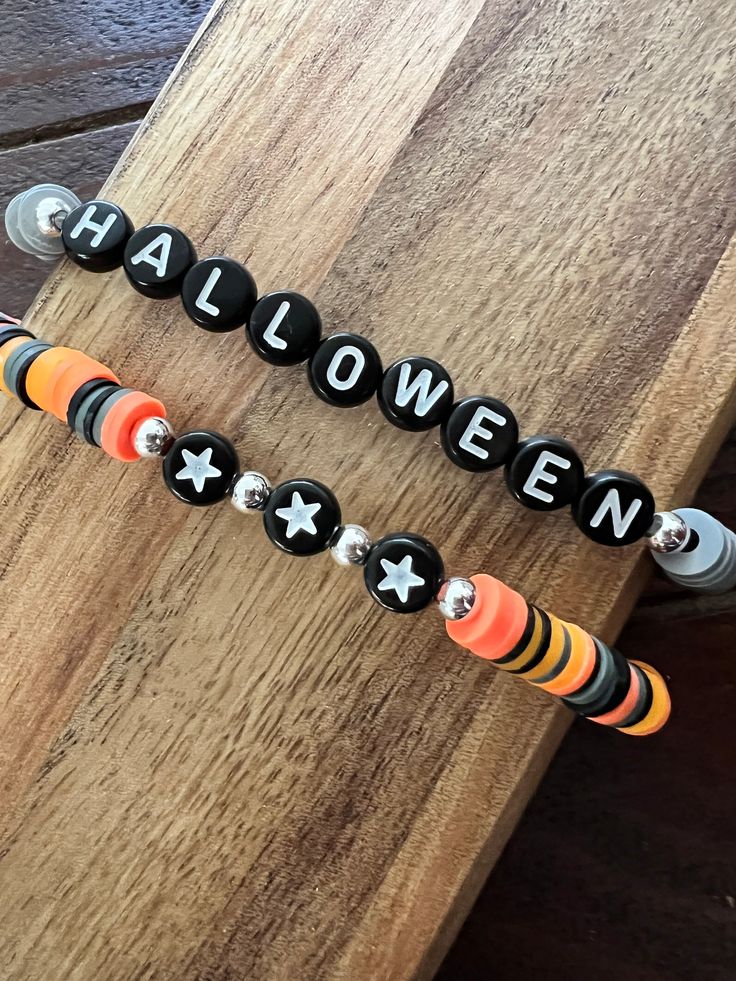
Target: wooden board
{"x": 407, "y": 783}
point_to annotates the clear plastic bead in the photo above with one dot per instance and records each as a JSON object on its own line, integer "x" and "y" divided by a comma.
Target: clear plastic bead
{"x": 33, "y": 219}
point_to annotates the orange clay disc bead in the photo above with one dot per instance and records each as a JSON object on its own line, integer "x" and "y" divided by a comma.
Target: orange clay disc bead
{"x": 78, "y": 371}
{"x": 580, "y": 666}
{"x": 496, "y": 622}
{"x": 45, "y": 372}
{"x": 659, "y": 711}
{"x": 5, "y": 351}
{"x": 122, "y": 420}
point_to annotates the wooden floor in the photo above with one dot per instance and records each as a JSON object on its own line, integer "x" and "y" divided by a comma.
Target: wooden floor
{"x": 625, "y": 863}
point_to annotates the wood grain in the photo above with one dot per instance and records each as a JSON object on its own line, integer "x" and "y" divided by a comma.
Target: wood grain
{"x": 246, "y": 790}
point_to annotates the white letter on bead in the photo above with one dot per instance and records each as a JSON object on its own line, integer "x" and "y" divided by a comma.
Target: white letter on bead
{"x": 86, "y": 222}
{"x": 163, "y": 242}
{"x": 476, "y": 428}
{"x": 612, "y": 503}
{"x": 349, "y": 351}
{"x": 425, "y": 399}
{"x": 203, "y": 298}
{"x": 539, "y": 474}
{"x": 270, "y": 336}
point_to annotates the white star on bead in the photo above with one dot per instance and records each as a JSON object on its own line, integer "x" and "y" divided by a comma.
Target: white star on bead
{"x": 198, "y": 468}
{"x": 299, "y": 516}
{"x": 399, "y": 577}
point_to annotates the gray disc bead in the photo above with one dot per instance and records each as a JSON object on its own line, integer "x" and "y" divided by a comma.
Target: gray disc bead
{"x": 708, "y": 567}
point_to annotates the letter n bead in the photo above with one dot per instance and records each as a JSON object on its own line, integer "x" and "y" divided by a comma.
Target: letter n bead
{"x": 614, "y": 508}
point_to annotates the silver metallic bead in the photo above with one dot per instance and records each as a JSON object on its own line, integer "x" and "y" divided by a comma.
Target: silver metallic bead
{"x": 668, "y": 532}
{"x": 352, "y": 545}
{"x": 250, "y": 492}
{"x": 33, "y": 219}
{"x": 455, "y": 598}
{"x": 153, "y": 438}
{"x": 707, "y": 561}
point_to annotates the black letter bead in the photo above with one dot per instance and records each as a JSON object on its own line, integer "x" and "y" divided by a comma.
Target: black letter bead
{"x": 403, "y": 572}
{"x": 284, "y": 328}
{"x": 95, "y": 234}
{"x": 415, "y": 393}
{"x": 157, "y": 257}
{"x": 219, "y": 294}
{"x": 199, "y": 467}
{"x": 545, "y": 473}
{"x": 301, "y": 517}
{"x": 345, "y": 370}
{"x": 481, "y": 433}
{"x": 614, "y": 508}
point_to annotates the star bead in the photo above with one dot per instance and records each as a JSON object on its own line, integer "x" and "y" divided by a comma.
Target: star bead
{"x": 399, "y": 577}
{"x": 299, "y": 516}
{"x": 198, "y": 468}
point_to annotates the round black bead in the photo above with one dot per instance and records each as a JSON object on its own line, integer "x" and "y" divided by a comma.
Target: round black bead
{"x": 219, "y": 294}
{"x": 545, "y": 473}
{"x": 199, "y": 467}
{"x": 614, "y": 508}
{"x": 480, "y": 433}
{"x": 301, "y": 517}
{"x": 415, "y": 393}
{"x": 156, "y": 260}
{"x": 95, "y": 235}
{"x": 345, "y": 370}
{"x": 403, "y": 572}
{"x": 284, "y": 328}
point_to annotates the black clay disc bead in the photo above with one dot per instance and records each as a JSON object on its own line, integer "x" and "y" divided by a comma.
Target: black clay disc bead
{"x": 614, "y": 508}
{"x": 545, "y": 473}
{"x": 302, "y": 517}
{"x": 85, "y": 424}
{"x": 95, "y": 235}
{"x": 415, "y": 393}
{"x": 284, "y": 328}
{"x": 480, "y": 433}
{"x": 17, "y": 366}
{"x": 403, "y": 572}
{"x": 345, "y": 370}
{"x": 156, "y": 260}
{"x": 199, "y": 467}
{"x": 219, "y": 294}
{"x": 82, "y": 397}
{"x": 9, "y": 331}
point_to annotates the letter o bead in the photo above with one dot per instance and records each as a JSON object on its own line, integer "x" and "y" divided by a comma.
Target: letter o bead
{"x": 345, "y": 370}
{"x": 614, "y": 508}
{"x": 480, "y": 433}
{"x": 545, "y": 473}
{"x": 415, "y": 393}
{"x": 95, "y": 234}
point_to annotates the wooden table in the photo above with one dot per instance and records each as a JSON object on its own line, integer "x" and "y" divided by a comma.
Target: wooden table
{"x": 624, "y": 864}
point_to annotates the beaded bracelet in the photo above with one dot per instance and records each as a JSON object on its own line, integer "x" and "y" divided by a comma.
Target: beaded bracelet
{"x": 403, "y": 572}
{"x": 478, "y": 433}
